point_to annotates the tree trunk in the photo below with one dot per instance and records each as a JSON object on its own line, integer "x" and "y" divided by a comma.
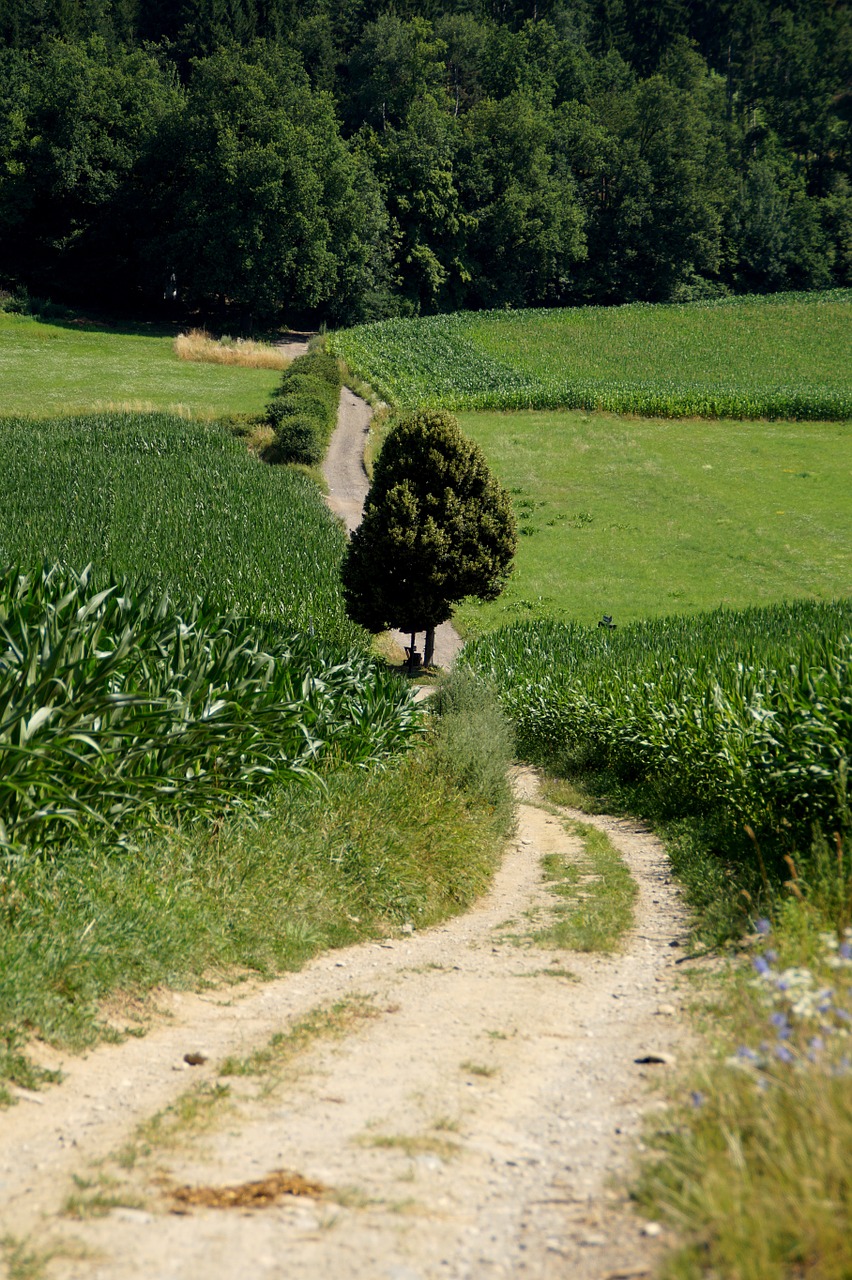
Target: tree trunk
{"x": 429, "y": 647}
{"x": 411, "y": 652}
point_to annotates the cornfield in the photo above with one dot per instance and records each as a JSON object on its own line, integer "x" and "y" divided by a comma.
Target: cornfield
{"x": 783, "y": 356}
{"x": 117, "y": 706}
{"x": 746, "y": 712}
{"x": 177, "y": 506}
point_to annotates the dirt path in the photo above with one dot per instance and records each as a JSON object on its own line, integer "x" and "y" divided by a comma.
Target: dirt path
{"x": 468, "y": 1128}
{"x": 348, "y": 483}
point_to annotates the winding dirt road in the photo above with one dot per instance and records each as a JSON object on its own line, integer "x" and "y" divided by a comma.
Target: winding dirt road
{"x": 467, "y": 1123}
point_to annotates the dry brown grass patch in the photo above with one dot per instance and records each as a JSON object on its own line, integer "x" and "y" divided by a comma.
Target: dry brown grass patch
{"x": 199, "y": 345}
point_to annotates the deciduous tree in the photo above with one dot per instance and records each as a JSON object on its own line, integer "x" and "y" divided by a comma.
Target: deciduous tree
{"x": 437, "y": 527}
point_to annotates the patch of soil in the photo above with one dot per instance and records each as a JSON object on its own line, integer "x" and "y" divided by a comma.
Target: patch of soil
{"x": 259, "y": 1194}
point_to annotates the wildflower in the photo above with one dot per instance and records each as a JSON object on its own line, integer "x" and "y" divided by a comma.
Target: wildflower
{"x": 771, "y": 956}
{"x": 747, "y": 1054}
{"x": 816, "y": 1044}
{"x": 760, "y": 965}
{"x": 763, "y": 926}
{"x": 783, "y": 1053}
{"x": 697, "y": 1098}
{"x": 845, "y": 950}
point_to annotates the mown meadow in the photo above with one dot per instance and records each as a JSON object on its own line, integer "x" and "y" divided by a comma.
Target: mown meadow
{"x": 638, "y": 517}
{"x": 777, "y": 356}
{"x": 79, "y": 365}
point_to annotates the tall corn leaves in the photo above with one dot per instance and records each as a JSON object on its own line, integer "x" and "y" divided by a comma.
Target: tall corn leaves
{"x": 115, "y": 710}
{"x": 748, "y": 712}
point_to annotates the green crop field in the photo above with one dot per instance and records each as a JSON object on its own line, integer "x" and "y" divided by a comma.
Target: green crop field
{"x": 747, "y": 711}
{"x": 177, "y": 505}
{"x": 781, "y": 356}
{"x": 642, "y": 517}
{"x": 48, "y": 369}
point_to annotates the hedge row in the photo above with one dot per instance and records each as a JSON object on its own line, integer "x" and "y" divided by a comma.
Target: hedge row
{"x": 303, "y": 410}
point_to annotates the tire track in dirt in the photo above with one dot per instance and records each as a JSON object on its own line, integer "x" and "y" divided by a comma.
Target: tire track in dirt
{"x": 470, "y": 1129}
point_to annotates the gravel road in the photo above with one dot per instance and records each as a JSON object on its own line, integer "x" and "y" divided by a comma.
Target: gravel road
{"x": 469, "y": 1128}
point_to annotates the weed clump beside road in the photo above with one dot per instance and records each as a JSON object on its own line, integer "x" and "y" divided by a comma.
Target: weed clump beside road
{"x": 752, "y": 1167}
{"x": 303, "y": 410}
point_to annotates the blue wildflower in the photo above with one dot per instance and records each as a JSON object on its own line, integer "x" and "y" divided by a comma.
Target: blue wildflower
{"x": 748, "y": 1054}
{"x": 845, "y": 950}
{"x": 696, "y": 1098}
{"x": 783, "y": 1053}
{"x": 771, "y": 956}
{"x": 760, "y": 965}
{"x": 763, "y": 926}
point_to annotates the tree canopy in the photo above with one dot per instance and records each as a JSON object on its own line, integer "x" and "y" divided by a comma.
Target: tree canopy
{"x": 437, "y": 527}
{"x": 353, "y": 159}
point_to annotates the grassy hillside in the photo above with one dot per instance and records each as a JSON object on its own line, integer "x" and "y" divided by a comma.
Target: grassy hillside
{"x": 638, "y": 517}
{"x": 46, "y": 369}
{"x": 782, "y": 356}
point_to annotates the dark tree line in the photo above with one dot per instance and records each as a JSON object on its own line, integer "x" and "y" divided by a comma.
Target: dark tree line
{"x": 343, "y": 159}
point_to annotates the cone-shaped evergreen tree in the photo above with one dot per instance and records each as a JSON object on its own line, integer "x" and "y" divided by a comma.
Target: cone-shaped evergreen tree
{"x": 437, "y": 527}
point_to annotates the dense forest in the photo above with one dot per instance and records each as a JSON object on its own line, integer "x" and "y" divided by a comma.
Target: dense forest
{"x": 346, "y": 160}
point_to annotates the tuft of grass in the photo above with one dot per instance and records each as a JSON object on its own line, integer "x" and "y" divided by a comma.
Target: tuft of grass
{"x": 594, "y": 897}
{"x": 324, "y": 1023}
{"x": 751, "y": 1167}
{"x": 473, "y": 738}
{"x": 201, "y": 346}
{"x": 96, "y": 1198}
{"x": 479, "y": 1069}
{"x": 412, "y": 1144}
{"x": 22, "y": 1261}
{"x": 197, "y": 1110}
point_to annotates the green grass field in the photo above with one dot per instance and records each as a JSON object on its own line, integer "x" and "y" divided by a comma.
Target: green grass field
{"x": 48, "y": 369}
{"x": 782, "y": 356}
{"x": 642, "y": 517}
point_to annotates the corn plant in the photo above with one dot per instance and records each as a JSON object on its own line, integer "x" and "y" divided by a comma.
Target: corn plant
{"x": 118, "y": 707}
{"x": 749, "y": 713}
{"x": 178, "y": 506}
